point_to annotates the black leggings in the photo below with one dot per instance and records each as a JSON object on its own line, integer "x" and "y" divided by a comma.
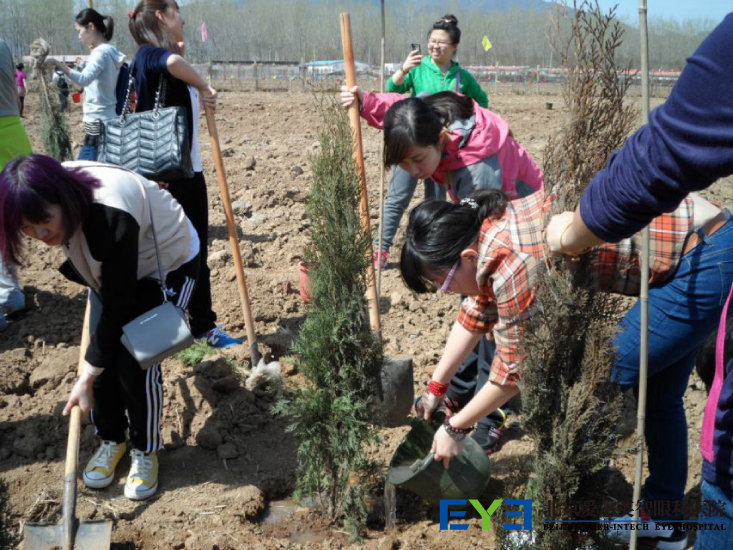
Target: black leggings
{"x": 192, "y": 196}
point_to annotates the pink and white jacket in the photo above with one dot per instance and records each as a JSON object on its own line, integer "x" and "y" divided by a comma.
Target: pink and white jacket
{"x": 491, "y": 136}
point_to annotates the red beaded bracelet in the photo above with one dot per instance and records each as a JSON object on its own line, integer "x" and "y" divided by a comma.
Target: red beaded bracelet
{"x": 436, "y": 388}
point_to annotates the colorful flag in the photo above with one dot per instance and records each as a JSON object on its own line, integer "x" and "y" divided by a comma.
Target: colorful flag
{"x": 204, "y": 34}
{"x": 486, "y": 43}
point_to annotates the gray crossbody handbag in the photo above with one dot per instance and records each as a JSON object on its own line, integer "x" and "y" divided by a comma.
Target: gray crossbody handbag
{"x": 161, "y": 331}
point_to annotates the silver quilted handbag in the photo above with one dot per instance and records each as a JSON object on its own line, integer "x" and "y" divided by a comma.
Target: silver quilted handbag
{"x": 153, "y": 143}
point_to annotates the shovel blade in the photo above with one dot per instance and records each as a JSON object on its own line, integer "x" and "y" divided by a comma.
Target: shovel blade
{"x": 90, "y": 535}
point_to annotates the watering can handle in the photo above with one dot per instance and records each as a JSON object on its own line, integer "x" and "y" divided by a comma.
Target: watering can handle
{"x": 424, "y": 463}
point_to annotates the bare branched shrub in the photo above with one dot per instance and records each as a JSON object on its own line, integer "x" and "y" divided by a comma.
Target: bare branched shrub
{"x": 570, "y": 405}
{"x": 586, "y": 40}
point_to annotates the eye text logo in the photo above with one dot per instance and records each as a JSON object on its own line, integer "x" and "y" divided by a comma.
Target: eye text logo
{"x": 525, "y": 513}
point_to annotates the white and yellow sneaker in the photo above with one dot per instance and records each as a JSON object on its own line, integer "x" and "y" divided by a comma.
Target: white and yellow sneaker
{"x": 100, "y": 470}
{"x": 142, "y": 481}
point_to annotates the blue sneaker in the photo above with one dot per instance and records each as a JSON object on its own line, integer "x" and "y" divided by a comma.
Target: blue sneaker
{"x": 217, "y": 338}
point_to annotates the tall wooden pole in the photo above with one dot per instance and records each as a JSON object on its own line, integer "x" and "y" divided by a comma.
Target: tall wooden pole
{"x": 372, "y": 296}
{"x": 233, "y": 240}
{"x": 644, "y": 295}
{"x": 381, "y": 165}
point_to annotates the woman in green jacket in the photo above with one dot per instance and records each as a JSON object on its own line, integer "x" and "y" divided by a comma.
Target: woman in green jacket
{"x": 437, "y": 72}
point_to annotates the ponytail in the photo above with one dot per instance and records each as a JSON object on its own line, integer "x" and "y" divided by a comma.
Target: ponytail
{"x": 450, "y": 106}
{"x": 145, "y": 27}
{"x": 438, "y": 231}
{"x": 418, "y": 122}
{"x": 109, "y": 24}
{"x": 104, "y": 24}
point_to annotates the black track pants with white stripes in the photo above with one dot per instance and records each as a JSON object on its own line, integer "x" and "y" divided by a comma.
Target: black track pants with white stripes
{"x": 126, "y": 396}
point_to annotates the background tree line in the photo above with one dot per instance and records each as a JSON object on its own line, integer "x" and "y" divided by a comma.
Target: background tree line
{"x": 295, "y": 30}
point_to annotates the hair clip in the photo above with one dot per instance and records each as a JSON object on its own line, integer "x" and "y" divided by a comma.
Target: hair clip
{"x": 131, "y": 14}
{"x": 470, "y": 202}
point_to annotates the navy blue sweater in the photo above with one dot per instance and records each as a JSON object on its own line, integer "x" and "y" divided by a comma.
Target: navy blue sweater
{"x": 687, "y": 145}
{"x": 150, "y": 62}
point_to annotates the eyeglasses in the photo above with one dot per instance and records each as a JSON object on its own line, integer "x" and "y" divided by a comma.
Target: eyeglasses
{"x": 438, "y": 43}
{"x": 449, "y": 279}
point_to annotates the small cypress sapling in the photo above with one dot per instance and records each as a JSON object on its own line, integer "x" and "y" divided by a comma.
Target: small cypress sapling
{"x": 340, "y": 357}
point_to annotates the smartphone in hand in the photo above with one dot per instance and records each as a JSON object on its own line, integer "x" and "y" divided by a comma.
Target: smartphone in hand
{"x": 414, "y": 47}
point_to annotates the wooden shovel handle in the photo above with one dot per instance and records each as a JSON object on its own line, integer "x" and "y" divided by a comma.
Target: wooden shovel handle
{"x": 72, "y": 446}
{"x": 359, "y": 158}
{"x": 72, "y": 449}
{"x": 232, "y": 231}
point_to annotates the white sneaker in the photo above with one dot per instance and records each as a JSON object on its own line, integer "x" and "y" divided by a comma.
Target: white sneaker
{"x": 100, "y": 470}
{"x": 664, "y": 536}
{"x": 142, "y": 481}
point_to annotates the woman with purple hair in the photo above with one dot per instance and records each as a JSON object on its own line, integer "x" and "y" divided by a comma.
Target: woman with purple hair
{"x": 100, "y": 216}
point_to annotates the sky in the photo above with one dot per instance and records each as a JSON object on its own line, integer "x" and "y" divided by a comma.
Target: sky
{"x": 672, "y": 9}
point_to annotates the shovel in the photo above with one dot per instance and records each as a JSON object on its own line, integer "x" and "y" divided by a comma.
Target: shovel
{"x": 70, "y": 534}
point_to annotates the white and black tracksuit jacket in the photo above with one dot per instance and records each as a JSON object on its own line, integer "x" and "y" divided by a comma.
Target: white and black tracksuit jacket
{"x": 113, "y": 253}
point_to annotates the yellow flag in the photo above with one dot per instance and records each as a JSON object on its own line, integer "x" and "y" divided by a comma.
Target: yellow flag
{"x": 486, "y": 43}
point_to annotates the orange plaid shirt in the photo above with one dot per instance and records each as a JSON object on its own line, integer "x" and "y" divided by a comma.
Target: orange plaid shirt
{"x": 512, "y": 255}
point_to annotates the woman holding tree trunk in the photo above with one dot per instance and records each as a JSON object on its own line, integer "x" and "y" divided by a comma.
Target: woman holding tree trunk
{"x": 452, "y": 140}
{"x": 157, "y": 27}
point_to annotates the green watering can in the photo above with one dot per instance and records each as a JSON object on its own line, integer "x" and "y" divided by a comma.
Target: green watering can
{"x": 413, "y": 466}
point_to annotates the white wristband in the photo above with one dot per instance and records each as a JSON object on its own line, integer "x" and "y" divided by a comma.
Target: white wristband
{"x": 91, "y": 370}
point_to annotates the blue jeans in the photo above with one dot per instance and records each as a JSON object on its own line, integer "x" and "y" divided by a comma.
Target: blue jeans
{"x": 682, "y": 313}
{"x": 715, "y": 540}
{"x": 11, "y": 297}
{"x": 87, "y": 152}
{"x": 401, "y": 189}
